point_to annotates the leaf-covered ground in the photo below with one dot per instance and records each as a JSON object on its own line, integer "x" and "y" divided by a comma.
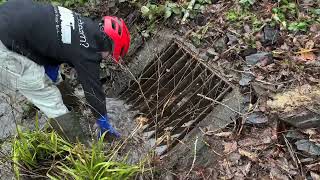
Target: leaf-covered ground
{"x": 270, "y": 50}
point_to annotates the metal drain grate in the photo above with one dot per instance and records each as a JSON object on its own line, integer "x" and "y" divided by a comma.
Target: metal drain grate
{"x": 167, "y": 95}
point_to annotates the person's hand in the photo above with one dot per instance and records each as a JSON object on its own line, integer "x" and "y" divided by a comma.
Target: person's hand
{"x": 52, "y": 71}
{"x": 105, "y": 126}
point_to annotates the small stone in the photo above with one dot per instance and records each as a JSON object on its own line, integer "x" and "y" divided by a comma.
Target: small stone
{"x": 247, "y": 52}
{"x": 270, "y": 35}
{"x": 246, "y": 79}
{"x": 221, "y": 44}
{"x": 257, "y": 118}
{"x": 204, "y": 57}
{"x": 211, "y": 53}
{"x": 231, "y": 39}
{"x": 309, "y": 147}
{"x": 262, "y": 58}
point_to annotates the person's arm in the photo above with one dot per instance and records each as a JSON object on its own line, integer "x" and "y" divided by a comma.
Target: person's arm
{"x": 88, "y": 76}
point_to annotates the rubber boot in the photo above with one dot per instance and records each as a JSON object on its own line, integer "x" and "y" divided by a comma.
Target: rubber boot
{"x": 68, "y": 126}
{"x": 68, "y": 97}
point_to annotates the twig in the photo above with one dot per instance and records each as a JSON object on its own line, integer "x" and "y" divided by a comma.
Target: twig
{"x": 194, "y": 157}
{"x": 213, "y": 100}
{"x": 292, "y": 154}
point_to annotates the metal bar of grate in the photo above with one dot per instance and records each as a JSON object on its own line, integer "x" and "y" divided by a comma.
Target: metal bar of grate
{"x": 163, "y": 79}
{"x": 165, "y": 85}
{"x": 161, "y": 69}
{"x": 149, "y": 70}
{"x": 166, "y": 93}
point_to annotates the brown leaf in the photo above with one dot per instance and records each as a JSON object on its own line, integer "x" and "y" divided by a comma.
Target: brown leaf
{"x": 141, "y": 120}
{"x": 314, "y": 167}
{"x": 275, "y": 173}
{"x": 310, "y": 132}
{"x": 223, "y": 134}
{"x": 252, "y": 156}
{"x": 314, "y": 175}
{"x": 315, "y": 28}
{"x": 309, "y": 45}
{"x": 230, "y": 147}
{"x": 306, "y": 54}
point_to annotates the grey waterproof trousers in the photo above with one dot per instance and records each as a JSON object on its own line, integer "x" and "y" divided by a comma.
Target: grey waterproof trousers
{"x": 18, "y": 73}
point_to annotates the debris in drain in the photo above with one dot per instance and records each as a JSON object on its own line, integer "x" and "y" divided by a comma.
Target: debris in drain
{"x": 166, "y": 93}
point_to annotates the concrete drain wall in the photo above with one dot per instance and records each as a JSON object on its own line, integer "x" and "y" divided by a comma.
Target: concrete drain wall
{"x": 167, "y": 94}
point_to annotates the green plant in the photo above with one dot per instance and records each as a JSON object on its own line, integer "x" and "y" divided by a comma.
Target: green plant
{"x": 298, "y": 26}
{"x": 66, "y": 3}
{"x": 58, "y": 159}
{"x": 2, "y": 1}
{"x": 30, "y": 149}
{"x": 153, "y": 11}
{"x": 169, "y": 9}
{"x": 285, "y": 11}
{"x": 232, "y": 15}
{"x": 247, "y": 3}
{"x": 95, "y": 165}
{"x": 239, "y": 17}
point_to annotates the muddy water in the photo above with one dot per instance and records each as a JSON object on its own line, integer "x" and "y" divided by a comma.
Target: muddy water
{"x": 122, "y": 118}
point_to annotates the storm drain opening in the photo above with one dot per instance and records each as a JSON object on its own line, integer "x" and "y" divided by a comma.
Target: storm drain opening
{"x": 167, "y": 94}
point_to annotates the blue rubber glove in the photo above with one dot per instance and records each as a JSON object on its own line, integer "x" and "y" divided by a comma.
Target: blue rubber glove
{"x": 52, "y": 71}
{"x": 105, "y": 126}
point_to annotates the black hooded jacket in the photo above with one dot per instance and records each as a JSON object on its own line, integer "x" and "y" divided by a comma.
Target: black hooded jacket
{"x": 48, "y": 34}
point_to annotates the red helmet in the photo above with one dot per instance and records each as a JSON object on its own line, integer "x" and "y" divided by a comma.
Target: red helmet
{"x": 118, "y": 32}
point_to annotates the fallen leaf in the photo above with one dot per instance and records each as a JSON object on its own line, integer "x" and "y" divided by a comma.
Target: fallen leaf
{"x": 257, "y": 118}
{"x": 308, "y": 147}
{"x": 252, "y": 156}
{"x": 141, "y": 120}
{"x": 306, "y": 54}
{"x": 275, "y": 173}
{"x": 314, "y": 175}
{"x": 230, "y": 147}
{"x": 286, "y": 166}
{"x": 295, "y": 135}
{"x": 309, "y": 44}
{"x": 310, "y": 132}
{"x": 223, "y": 134}
{"x": 242, "y": 171}
{"x": 314, "y": 167}
{"x": 234, "y": 158}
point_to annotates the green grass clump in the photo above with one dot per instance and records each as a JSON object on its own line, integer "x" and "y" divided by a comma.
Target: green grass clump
{"x": 46, "y": 154}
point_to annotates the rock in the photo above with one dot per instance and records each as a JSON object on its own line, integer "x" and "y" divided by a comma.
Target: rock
{"x": 257, "y": 118}
{"x": 262, "y": 58}
{"x": 220, "y": 45}
{"x": 201, "y": 20}
{"x": 6, "y": 171}
{"x": 270, "y": 35}
{"x": 211, "y": 53}
{"x": 295, "y": 135}
{"x": 246, "y": 79}
{"x": 309, "y": 147}
{"x": 204, "y": 56}
{"x": 247, "y": 52}
{"x": 231, "y": 39}
{"x": 303, "y": 119}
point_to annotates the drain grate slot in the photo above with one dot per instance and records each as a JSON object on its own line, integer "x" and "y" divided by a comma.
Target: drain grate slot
{"x": 167, "y": 94}
{"x": 162, "y": 79}
{"x": 164, "y": 86}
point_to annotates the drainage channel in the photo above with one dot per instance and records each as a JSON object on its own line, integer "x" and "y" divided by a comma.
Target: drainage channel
{"x": 167, "y": 95}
